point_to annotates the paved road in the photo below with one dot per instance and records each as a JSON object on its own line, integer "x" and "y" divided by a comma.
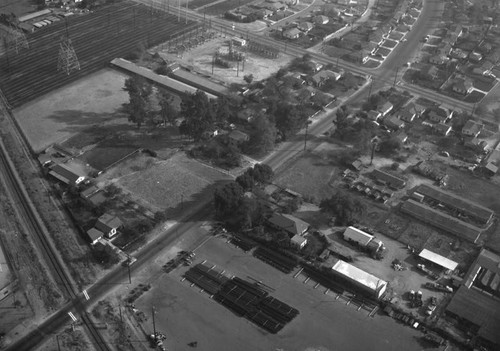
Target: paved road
{"x": 382, "y": 77}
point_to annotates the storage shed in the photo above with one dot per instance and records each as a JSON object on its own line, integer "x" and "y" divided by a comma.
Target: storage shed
{"x": 362, "y": 279}
{"x": 438, "y": 260}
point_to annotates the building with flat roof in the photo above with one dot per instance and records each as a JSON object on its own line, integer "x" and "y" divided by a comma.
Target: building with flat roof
{"x": 438, "y": 260}
{"x": 362, "y": 279}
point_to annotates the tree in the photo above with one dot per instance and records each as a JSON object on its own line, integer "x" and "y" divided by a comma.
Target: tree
{"x": 390, "y": 146}
{"x": 199, "y": 114}
{"x": 289, "y": 119}
{"x": 168, "y": 112}
{"x": 341, "y": 118}
{"x": 248, "y": 78}
{"x": 246, "y": 181}
{"x": 344, "y": 207}
{"x": 262, "y": 173}
{"x": 139, "y": 92}
{"x": 222, "y": 109}
{"x": 263, "y": 135}
{"x": 227, "y": 198}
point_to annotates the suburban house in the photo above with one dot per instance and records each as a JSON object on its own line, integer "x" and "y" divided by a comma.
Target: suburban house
{"x": 289, "y": 223}
{"x": 436, "y": 117}
{"x": 298, "y": 241}
{"x": 401, "y": 136}
{"x": 491, "y": 168}
{"x": 386, "y": 108}
{"x": 430, "y": 70}
{"x": 374, "y": 115}
{"x": 237, "y": 137}
{"x": 305, "y": 26}
{"x": 407, "y": 115}
{"x": 442, "y": 129}
{"x": 321, "y": 19}
{"x": 475, "y": 57}
{"x": 67, "y": 174}
{"x": 322, "y": 76}
{"x": 438, "y": 59}
{"x": 292, "y": 33}
{"x": 475, "y": 144}
{"x": 94, "y": 235}
{"x": 315, "y": 66}
{"x": 472, "y": 128}
{"x": 462, "y": 86}
{"x": 108, "y": 224}
{"x": 393, "y": 122}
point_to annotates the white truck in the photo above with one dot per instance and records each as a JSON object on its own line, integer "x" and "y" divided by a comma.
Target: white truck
{"x": 366, "y": 241}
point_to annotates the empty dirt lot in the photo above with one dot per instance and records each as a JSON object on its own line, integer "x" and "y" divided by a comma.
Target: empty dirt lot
{"x": 185, "y": 314}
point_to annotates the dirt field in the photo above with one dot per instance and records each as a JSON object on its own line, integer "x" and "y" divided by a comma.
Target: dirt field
{"x": 178, "y": 180}
{"x": 185, "y": 314}
{"x": 19, "y": 7}
{"x": 55, "y": 117}
{"x": 201, "y": 59}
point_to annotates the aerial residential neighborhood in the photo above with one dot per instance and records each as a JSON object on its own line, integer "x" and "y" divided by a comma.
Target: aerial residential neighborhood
{"x": 250, "y": 175}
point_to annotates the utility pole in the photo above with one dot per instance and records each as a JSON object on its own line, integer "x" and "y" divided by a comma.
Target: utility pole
{"x": 154, "y": 325}
{"x": 129, "y": 276}
{"x": 396, "y": 77}
{"x": 305, "y": 135}
{"x": 58, "y": 345}
{"x": 370, "y": 90}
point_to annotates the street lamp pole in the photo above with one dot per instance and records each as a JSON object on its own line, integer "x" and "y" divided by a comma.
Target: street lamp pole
{"x": 154, "y": 324}
{"x": 396, "y": 77}
{"x": 374, "y": 144}
{"x": 305, "y": 135}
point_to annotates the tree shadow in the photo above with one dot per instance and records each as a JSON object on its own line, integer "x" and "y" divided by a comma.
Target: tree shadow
{"x": 75, "y": 120}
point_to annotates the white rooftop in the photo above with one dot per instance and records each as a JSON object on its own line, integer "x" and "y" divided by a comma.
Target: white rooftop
{"x": 359, "y": 275}
{"x": 438, "y": 259}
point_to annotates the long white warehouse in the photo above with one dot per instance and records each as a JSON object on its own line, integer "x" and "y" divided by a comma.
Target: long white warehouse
{"x": 361, "y": 278}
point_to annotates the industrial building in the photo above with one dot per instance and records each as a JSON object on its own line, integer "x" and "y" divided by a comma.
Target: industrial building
{"x": 477, "y": 301}
{"x": 366, "y": 281}
{"x": 438, "y": 260}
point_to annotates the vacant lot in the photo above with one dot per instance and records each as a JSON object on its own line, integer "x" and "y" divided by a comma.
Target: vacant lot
{"x": 311, "y": 173}
{"x": 178, "y": 180}
{"x": 104, "y": 156}
{"x": 186, "y": 315}
{"x": 94, "y": 100}
{"x": 224, "y": 6}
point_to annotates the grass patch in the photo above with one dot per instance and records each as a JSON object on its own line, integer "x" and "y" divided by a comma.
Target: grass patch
{"x": 101, "y": 157}
{"x": 199, "y": 3}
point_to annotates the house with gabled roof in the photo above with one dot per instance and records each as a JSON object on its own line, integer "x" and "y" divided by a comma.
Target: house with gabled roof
{"x": 462, "y": 86}
{"x": 66, "y": 174}
{"x": 442, "y": 129}
{"x": 305, "y": 26}
{"x": 386, "y": 108}
{"x": 298, "y": 241}
{"x": 94, "y": 235}
{"x": 472, "y": 128}
{"x": 393, "y": 122}
{"x": 108, "y": 224}
{"x": 288, "y": 223}
{"x": 292, "y": 33}
{"x": 321, "y": 19}
{"x": 407, "y": 114}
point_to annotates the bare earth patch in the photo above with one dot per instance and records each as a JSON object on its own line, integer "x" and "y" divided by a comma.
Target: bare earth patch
{"x": 165, "y": 184}
{"x": 62, "y": 113}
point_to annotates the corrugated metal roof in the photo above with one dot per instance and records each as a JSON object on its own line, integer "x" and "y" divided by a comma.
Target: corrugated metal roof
{"x": 438, "y": 259}
{"x": 480, "y": 309}
{"x": 357, "y": 235}
{"x": 368, "y": 280}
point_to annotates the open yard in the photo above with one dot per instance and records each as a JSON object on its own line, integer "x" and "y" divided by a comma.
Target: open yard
{"x": 187, "y": 315}
{"x": 53, "y": 118}
{"x": 224, "y": 6}
{"x": 166, "y": 184}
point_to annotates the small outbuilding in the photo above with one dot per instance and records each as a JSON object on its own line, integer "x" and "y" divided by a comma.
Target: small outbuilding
{"x": 439, "y": 260}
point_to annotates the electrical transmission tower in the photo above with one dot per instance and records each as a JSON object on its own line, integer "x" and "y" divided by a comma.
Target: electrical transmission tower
{"x": 67, "y": 61}
{"x": 16, "y": 39}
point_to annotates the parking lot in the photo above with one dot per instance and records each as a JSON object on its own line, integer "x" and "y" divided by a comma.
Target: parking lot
{"x": 187, "y": 314}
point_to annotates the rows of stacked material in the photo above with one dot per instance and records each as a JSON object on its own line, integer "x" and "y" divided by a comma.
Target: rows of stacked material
{"x": 243, "y": 243}
{"x": 278, "y": 260}
{"x": 244, "y": 298}
{"x": 206, "y": 278}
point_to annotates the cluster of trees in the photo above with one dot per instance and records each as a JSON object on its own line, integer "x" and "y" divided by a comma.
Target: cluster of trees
{"x": 143, "y": 107}
{"x": 344, "y": 207}
{"x": 240, "y": 212}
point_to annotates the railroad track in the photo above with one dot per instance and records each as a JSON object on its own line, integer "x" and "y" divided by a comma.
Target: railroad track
{"x": 35, "y": 227}
{"x": 97, "y": 39}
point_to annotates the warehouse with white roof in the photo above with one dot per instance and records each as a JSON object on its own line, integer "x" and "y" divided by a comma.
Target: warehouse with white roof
{"x": 360, "y": 278}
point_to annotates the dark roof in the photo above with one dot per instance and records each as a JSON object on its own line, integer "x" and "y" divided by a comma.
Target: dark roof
{"x": 289, "y": 223}
{"x": 64, "y": 173}
{"x": 238, "y": 136}
{"x": 89, "y": 192}
{"x": 469, "y": 208}
{"x": 389, "y": 179}
{"x": 479, "y": 309}
{"x": 199, "y": 82}
{"x": 441, "y": 220}
{"x": 94, "y": 234}
{"x": 107, "y": 222}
